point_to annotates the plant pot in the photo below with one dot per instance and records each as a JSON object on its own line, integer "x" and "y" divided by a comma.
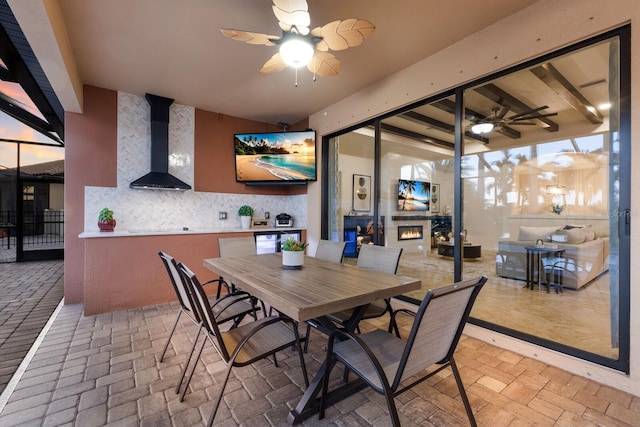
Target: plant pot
{"x": 108, "y": 225}
{"x": 292, "y": 259}
{"x": 245, "y": 222}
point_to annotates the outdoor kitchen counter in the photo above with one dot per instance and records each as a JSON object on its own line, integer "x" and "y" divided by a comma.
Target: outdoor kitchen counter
{"x": 122, "y": 269}
{"x": 160, "y": 232}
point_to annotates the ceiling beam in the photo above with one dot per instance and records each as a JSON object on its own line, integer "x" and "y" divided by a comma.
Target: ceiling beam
{"x": 568, "y": 92}
{"x": 415, "y": 117}
{"x": 19, "y": 61}
{"x": 415, "y": 135}
{"x": 505, "y": 99}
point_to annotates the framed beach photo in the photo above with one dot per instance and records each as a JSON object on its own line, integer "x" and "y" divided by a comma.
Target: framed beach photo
{"x": 361, "y": 193}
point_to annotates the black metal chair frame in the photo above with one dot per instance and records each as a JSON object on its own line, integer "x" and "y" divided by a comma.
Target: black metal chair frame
{"x": 245, "y": 338}
{"x": 399, "y": 362}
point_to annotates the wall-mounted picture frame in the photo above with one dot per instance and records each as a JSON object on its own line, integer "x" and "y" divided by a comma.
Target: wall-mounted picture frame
{"x": 361, "y": 193}
{"x": 435, "y": 198}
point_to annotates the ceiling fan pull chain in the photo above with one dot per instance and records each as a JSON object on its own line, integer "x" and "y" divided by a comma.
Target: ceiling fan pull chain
{"x": 296, "y": 77}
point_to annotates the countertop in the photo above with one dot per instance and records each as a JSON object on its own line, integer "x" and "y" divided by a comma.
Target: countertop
{"x": 167, "y": 232}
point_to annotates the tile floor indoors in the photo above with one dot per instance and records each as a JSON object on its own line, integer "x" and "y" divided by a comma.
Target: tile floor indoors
{"x": 104, "y": 370}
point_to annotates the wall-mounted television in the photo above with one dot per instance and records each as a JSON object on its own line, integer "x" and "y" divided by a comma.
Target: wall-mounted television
{"x": 276, "y": 157}
{"x": 413, "y": 195}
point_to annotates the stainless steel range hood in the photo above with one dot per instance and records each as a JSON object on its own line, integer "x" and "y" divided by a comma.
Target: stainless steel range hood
{"x": 159, "y": 178}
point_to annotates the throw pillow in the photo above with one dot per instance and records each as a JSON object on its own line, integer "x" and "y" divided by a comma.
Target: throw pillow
{"x": 531, "y": 234}
{"x": 575, "y": 236}
{"x": 601, "y": 231}
{"x": 589, "y": 234}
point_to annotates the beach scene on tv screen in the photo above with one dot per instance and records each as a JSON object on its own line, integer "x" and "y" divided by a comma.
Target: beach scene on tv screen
{"x": 413, "y": 195}
{"x": 289, "y": 156}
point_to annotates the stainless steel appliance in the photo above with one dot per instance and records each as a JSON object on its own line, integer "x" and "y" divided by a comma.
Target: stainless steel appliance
{"x": 284, "y": 220}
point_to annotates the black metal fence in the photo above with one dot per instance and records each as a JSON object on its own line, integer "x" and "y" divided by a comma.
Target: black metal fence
{"x": 40, "y": 230}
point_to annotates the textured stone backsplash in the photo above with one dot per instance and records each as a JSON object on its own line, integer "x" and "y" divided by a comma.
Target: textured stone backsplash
{"x": 171, "y": 210}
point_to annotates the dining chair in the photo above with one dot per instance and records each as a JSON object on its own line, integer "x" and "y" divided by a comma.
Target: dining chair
{"x": 329, "y": 250}
{"x": 243, "y": 345}
{"x": 384, "y": 362}
{"x": 235, "y": 308}
{"x": 235, "y": 246}
{"x": 379, "y": 258}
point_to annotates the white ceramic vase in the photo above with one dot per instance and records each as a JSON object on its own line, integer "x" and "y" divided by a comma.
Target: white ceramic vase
{"x": 245, "y": 222}
{"x": 292, "y": 259}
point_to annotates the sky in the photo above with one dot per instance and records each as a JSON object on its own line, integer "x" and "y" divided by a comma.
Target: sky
{"x": 11, "y": 128}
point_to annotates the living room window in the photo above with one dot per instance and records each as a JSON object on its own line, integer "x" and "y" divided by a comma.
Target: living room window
{"x": 519, "y": 176}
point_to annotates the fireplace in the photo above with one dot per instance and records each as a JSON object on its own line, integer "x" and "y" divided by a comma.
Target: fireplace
{"x": 410, "y": 232}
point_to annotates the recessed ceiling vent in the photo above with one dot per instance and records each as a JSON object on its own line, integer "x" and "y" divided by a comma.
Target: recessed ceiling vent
{"x": 159, "y": 178}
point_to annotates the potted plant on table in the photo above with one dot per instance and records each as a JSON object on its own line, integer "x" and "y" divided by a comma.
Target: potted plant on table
{"x": 293, "y": 253}
{"x": 105, "y": 220}
{"x": 245, "y": 212}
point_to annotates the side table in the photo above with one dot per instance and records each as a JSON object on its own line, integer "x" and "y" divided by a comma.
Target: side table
{"x": 535, "y": 255}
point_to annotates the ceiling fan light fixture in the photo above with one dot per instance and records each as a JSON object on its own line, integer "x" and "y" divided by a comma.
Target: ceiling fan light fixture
{"x": 296, "y": 51}
{"x": 482, "y": 128}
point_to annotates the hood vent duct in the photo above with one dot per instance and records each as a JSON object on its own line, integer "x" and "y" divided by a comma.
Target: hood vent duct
{"x": 159, "y": 178}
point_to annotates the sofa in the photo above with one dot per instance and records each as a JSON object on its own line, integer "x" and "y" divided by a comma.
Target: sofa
{"x": 586, "y": 253}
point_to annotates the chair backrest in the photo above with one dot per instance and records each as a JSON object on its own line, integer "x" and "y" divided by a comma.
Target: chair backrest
{"x": 329, "y": 250}
{"x": 201, "y": 303}
{"x": 437, "y": 327}
{"x": 236, "y": 246}
{"x": 179, "y": 286}
{"x": 379, "y": 258}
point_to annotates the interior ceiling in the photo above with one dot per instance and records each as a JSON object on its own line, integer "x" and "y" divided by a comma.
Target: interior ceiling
{"x": 175, "y": 49}
{"x": 560, "y": 98}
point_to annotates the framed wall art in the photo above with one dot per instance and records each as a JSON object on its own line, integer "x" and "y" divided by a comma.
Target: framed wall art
{"x": 361, "y": 193}
{"x": 435, "y": 197}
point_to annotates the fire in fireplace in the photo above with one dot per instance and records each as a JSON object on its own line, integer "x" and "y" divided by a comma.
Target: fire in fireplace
{"x": 410, "y": 232}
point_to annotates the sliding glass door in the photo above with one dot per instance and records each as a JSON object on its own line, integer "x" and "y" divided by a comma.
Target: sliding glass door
{"x": 522, "y": 177}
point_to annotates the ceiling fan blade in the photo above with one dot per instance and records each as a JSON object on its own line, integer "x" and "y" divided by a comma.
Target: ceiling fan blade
{"x": 529, "y": 112}
{"x": 342, "y": 34}
{"x": 273, "y": 65}
{"x": 292, "y": 13}
{"x": 516, "y": 123}
{"x": 249, "y": 37}
{"x": 531, "y": 117}
{"x": 324, "y": 64}
{"x": 503, "y": 112}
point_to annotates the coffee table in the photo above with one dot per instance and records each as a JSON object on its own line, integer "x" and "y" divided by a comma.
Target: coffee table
{"x": 469, "y": 250}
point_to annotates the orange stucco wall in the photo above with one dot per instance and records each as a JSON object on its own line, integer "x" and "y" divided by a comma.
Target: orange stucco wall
{"x": 115, "y": 273}
{"x": 90, "y": 159}
{"x": 214, "y": 167}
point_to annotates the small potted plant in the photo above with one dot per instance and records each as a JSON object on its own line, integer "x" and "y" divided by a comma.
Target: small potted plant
{"x": 245, "y": 212}
{"x": 105, "y": 220}
{"x": 293, "y": 253}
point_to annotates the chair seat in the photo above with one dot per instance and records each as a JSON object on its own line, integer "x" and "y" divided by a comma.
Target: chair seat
{"x": 276, "y": 336}
{"x": 231, "y": 306}
{"x": 387, "y": 347}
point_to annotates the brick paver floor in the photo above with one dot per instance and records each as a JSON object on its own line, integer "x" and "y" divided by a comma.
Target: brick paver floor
{"x": 29, "y": 293}
{"x": 105, "y": 370}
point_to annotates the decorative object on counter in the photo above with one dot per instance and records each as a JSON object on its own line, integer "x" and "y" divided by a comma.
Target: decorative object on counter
{"x": 539, "y": 243}
{"x": 259, "y": 223}
{"x": 293, "y": 253}
{"x": 557, "y": 208}
{"x": 105, "y": 220}
{"x": 245, "y": 212}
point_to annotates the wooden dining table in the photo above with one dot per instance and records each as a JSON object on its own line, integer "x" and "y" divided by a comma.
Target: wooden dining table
{"x": 309, "y": 294}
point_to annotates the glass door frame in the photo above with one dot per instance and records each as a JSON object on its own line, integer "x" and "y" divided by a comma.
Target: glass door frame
{"x": 623, "y": 35}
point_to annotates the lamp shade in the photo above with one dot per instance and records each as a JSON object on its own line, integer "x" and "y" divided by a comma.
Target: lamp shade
{"x": 556, "y": 190}
{"x": 296, "y": 51}
{"x": 481, "y": 128}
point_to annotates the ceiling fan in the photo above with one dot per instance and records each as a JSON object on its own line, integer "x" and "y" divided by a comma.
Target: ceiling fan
{"x": 482, "y": 125}
{"x": 300, "y": 46}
